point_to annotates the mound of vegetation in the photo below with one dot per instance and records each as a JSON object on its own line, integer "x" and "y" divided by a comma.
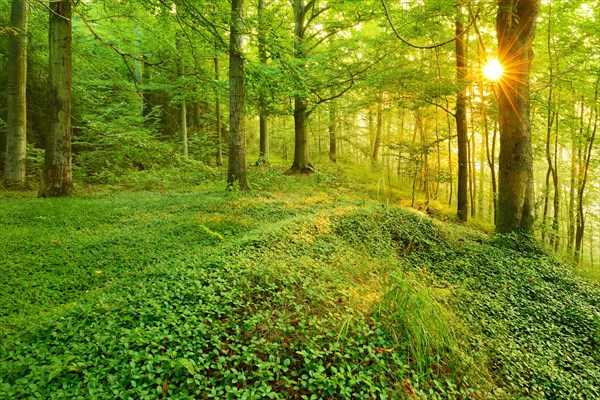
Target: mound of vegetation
{"x": 302, "y": 293}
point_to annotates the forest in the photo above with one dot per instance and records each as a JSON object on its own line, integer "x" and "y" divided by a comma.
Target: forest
{"x": 299, "y": 199}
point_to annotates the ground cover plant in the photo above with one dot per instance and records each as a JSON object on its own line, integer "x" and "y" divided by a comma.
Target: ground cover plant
{"x": 304, "y": 288}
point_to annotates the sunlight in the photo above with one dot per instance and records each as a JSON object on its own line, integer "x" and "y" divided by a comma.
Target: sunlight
{"x": 493, "y": 70}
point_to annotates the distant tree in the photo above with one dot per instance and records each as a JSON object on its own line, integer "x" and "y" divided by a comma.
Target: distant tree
{"x": 237, "y": 151}
{"x": 16, "y": 140}
{"x": 57, "y": 176}
{"x": 515, "y": 30}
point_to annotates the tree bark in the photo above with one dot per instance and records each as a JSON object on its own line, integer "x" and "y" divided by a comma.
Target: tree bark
{"x": 263, "y": 157}
{"x": 378, "y": 131}
{"x": 585, "y": 165}
{"x": 461, "y": 124}
{"x": 332, "y": 131}
{"x": 218, "y": 118}
{"x": 57, "y": 176}
{"x": 301, "y": 162}
{"x": 183, "y": 130}
{"x": 515, "y": 29}
{"x": 16, "y": 139}
{"x": 237, "y": 153}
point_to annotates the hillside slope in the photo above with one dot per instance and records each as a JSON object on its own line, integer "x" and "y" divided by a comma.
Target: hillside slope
{"x": 305, "y": 292}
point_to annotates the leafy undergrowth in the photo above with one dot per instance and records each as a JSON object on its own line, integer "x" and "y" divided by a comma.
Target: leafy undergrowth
{"x": 301, "y": 289}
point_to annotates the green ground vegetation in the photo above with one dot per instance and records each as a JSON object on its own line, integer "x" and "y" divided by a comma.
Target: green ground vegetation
{"x": 317, "y": 287}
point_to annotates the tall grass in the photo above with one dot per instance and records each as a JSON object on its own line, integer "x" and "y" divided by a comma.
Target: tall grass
{"x": 415, "y": 320}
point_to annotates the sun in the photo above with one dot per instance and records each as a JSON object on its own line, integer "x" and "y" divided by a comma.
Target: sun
{"x": 493, "y": 70}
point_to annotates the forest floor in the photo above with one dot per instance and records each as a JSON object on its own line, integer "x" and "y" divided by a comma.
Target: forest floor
{"x": 304, "y": 288}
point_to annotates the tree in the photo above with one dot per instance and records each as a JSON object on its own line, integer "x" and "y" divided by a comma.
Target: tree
{"x": 237, "y": 151}
{"x": 57, "y": 176}
{"x": 263, "y": 157}
{"x": 16, "y": 140}
{"x": 183, "y": 130}
{"x": 461, "y": 121}
{"x": 515, "y": 30}
{"x": 301, "y": 162}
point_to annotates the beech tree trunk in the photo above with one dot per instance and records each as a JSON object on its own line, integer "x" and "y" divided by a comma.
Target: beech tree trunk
{"x": 57, "y": 176}
{"x": 218, "y": 122}
{"x": 263, "y": 157}
{"x": 515, "y": 29}
{"x": 301, "y": 162}
{"x": 237, "y": 153}
{"x": 183, "y": 130}
{"x": 16, "y": 138}
{"x": 461, "y": 125}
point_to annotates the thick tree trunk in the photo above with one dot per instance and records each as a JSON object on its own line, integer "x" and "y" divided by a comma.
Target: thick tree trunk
{"x": 263, "y": 158}
{"x": 301, "y": 162}
{"x": 237, "y": 152}
{"x": 16, "y": 138}
{"x": 57, "y": 177}
{"x": 461, "y": 125}
{"x": 515, "y": 28}
{"x": 301, "y": 157}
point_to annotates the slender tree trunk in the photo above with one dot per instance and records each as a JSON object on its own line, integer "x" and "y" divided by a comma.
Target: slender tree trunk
{"x": 57, "y": 177}
{"x": 377, "y": 141}
{"x": 515, "y": 29}
{"x": 491, "y": 152}
{"x": 450, "y": 168}
{"x": 183, "y": 131}
{"x": 461, "y": 123}
{"x": 592, "y": 127}
{"x": 16, "y": 138}
{"x": 549, "y": 172}
{"x": 332, "y": 131}
{"x": 263, "y": 157}
{"x": 555, "y": 238}
{"x": 573, "y": 183}
{"x": 237, "y": 152}
{"x": 301, "y": 162}
{"x": 218, "y": 117}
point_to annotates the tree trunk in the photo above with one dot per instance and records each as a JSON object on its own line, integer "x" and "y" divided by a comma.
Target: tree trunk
{"x": 263, "y": 157}
{"x": 218, "y": 122}
{"x": 461, "y": 124}
{"x": 332, "y": 131}
{"x": 515, "y": 29}
{"x": 377, "y": 141}
{"x": 491, "y": 151}
{"x": 555, "y": 238}
{"x": 301, "y": 162}
{"x": 16, "y": 138}
{"x": 570, "y": 245}
{"x": 585, "y": 165}
{"x": 57, "y": 177}
{"x": 237, "y": 152}
{"x": 183, "y": 131}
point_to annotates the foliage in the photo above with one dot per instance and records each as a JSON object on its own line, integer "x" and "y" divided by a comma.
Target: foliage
{"x": 296, "y": 290}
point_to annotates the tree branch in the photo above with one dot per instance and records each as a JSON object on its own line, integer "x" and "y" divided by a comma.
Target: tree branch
{"x": 406, "y": 42}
